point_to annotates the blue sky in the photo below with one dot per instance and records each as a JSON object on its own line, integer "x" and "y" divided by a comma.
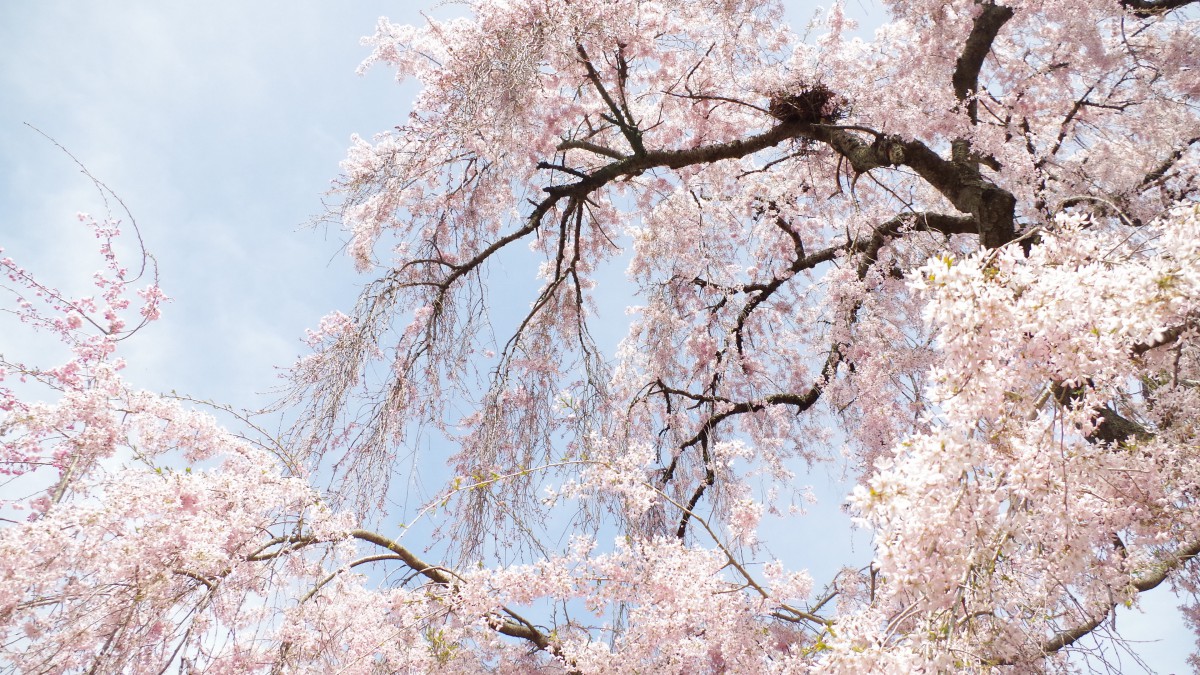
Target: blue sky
{"x": 221, "y": 124}
{"x": 220, "y": 127}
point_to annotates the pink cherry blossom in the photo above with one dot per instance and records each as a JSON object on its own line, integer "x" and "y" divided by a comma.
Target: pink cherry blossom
{"x": 957, "y": 261}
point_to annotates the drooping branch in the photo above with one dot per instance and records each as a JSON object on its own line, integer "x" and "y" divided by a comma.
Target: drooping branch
{"x": 933, "y": 222}
{"x": 517, "y": 628}
{"x": 1152, "y": 579}
{"x": 868, "y": 249}
{"x": 785, "y": 612}
{"x": 802, "y": 403}
{"x": 532, "y": 223}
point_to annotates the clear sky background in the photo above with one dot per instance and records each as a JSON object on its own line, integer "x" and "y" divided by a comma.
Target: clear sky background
{"x": 221, "y": 124}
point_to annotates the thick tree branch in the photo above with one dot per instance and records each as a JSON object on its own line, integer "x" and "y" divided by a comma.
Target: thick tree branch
{"x": 590, "y": 147}
{"x": 675, "y": 159}
{"x": 431, "y": 572}
{"x": 1167, "y": 337}
{"x": 991, "y": 19}
{"x": 958, "y": 181}
{"x": 1111, "y": 426}
{"x": 1146, "y": 9}
{"x": 629, "y": 166}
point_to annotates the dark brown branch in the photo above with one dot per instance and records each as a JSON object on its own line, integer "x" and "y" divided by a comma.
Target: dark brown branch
{"x": 991, "y": 206}
{"x": 869, "y": 250}
{"x": 522, "y": 630}
{"x": 802, "y": 402}
{"x": 559, "y": 167}
{"x": 710, "y": 479}
{"x": 1161, "y": 170}
{"x": 661, "y": 387}
{"x": 1065, "y": 126}
{"x": 534, "y": 221}
{"x": 958, "y": 179}
{"x": 1111, "y": 426}
{"x": 675, "y": 159}
{"x": 1168, "y": 336}
{"x": 934, "y": 222}
{"x": 987, "y": 25}
{"x": 1146, "y": 9}
{"x": 1159, "y": 574}
{"x": 590, "y": 147}
{"x": 960, "y": 182}
{"x": 623, "y": 121}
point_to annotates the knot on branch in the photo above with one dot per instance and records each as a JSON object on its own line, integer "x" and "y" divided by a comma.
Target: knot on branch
{"x": 811, "y": 104}
{"x": 889, "y": 150}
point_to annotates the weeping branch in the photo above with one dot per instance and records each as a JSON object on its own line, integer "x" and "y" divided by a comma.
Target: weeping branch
{"x": 514, "y": 627}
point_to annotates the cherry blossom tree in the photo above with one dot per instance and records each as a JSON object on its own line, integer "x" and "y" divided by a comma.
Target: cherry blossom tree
{"x": 959, "y": 261}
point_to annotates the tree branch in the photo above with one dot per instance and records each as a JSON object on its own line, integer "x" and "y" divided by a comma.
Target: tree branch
{"x": 960, "y": 182}
{"x": 523, "y": 630}
{"x": 1161, "y": 170}
{"x": 869, "y": 248}
{"x": 590, "y": 147}
{"x": 622, "y": 119}
{"x": 966, "y": 69}
{"x": 1161, "y": 571}
{"x": 1145, "y": 9}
